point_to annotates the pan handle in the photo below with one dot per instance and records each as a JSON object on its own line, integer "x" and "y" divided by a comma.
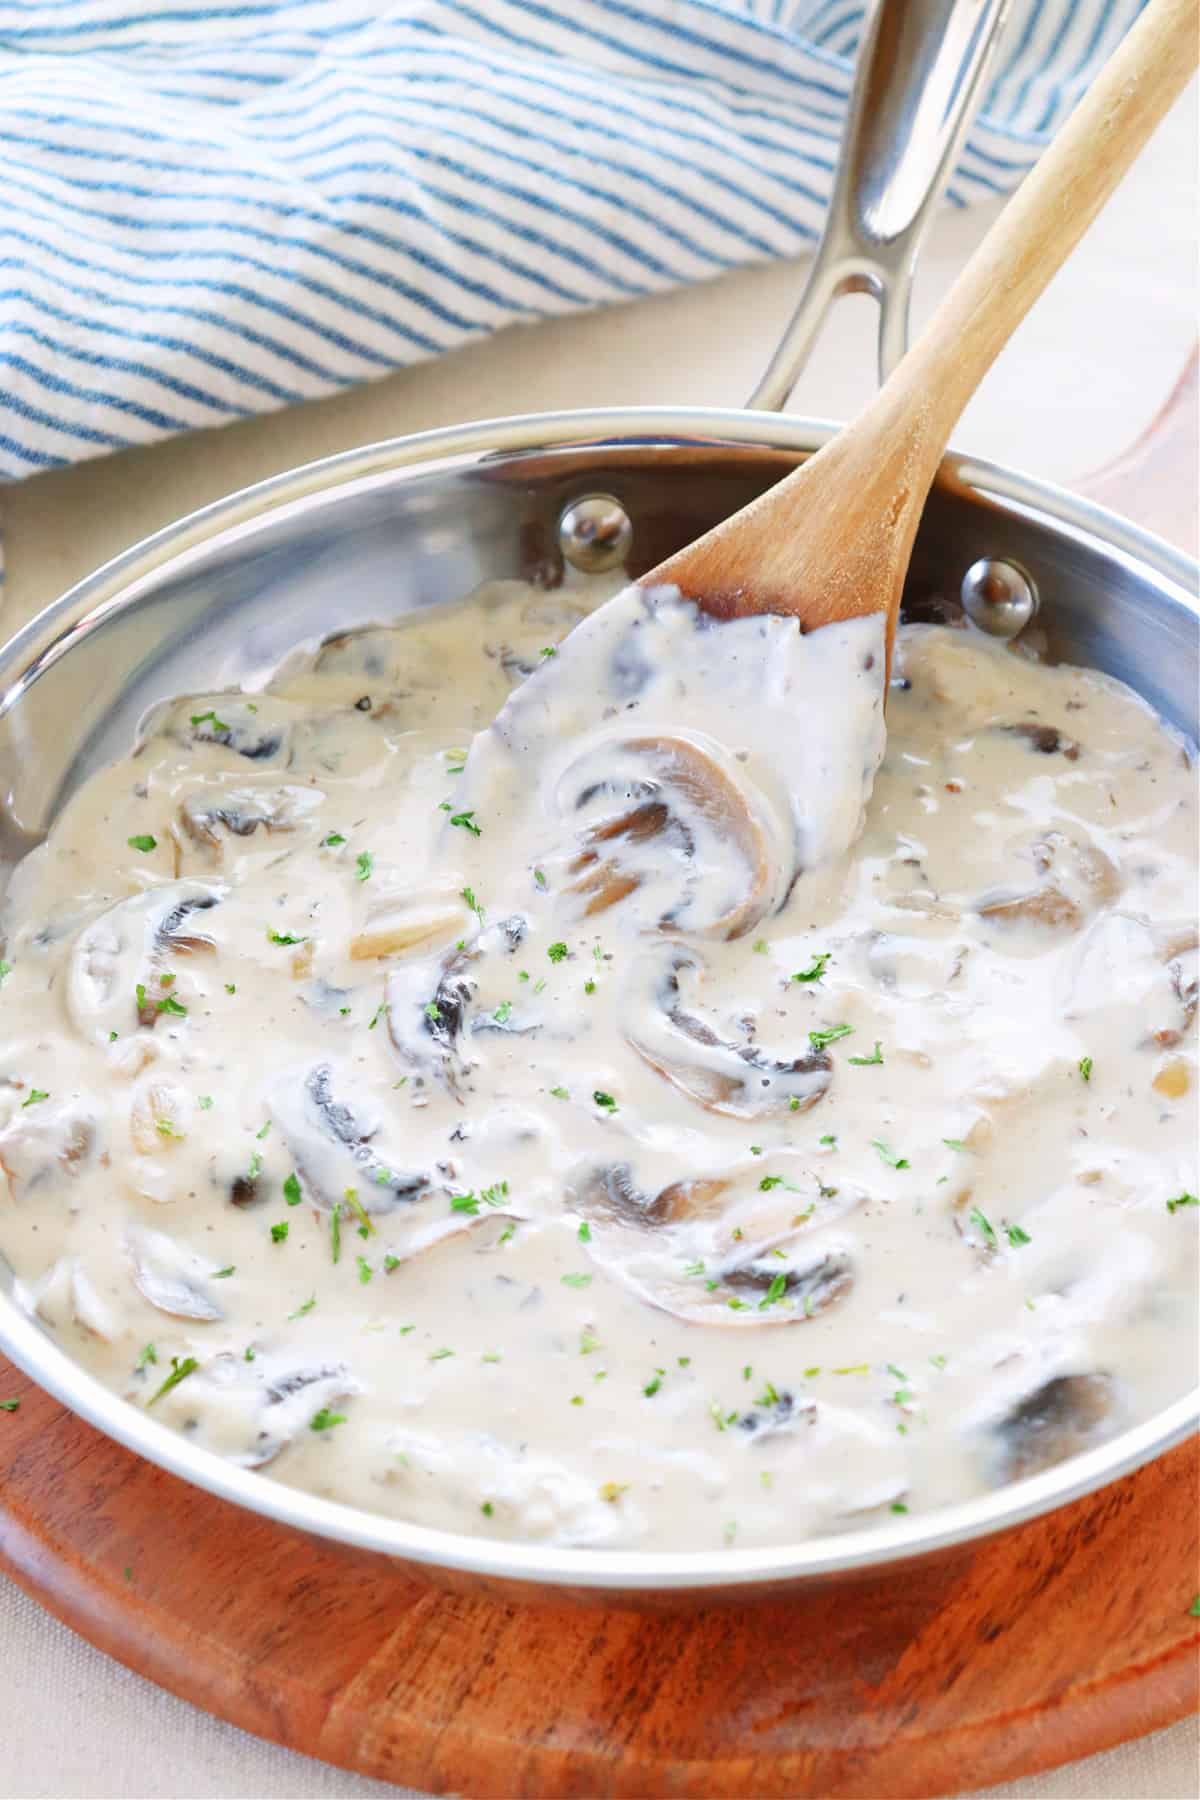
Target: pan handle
{"x": 917, "y": 83}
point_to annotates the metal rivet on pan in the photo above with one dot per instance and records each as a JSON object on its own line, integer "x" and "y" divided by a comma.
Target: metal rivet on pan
{"x": 594, "y": 533}
{"x": 999, "y": 597}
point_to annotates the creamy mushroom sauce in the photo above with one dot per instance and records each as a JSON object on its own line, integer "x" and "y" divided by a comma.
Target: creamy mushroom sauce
{"x": 591, "y": 1141}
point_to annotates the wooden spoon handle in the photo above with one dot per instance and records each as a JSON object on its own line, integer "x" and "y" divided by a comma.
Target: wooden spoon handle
{"x": 833, "y": 540}
{"x": 1049, "y": 214}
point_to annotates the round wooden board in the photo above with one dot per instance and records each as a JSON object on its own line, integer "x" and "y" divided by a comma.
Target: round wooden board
{"x": 1062, "y": 1638}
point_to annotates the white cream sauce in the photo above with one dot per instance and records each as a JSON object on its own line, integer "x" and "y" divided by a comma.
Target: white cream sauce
{"x": 594, "y": 1138}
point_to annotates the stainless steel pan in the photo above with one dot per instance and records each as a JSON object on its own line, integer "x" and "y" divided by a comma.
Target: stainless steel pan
{"x": 367, "y": 537}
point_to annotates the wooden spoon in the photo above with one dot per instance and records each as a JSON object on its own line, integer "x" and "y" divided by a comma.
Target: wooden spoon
{"x": 833, "y": 540}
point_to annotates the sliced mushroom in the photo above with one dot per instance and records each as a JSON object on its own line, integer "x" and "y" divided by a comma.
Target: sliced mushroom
{"x": 123, "y": 949}
{"x": 741, "y": 1080}
{"x": 914, "y": 968}
{"x": 527, "y": 1495}
{"x": 677, "y": 815}
{"x": 45, "y": 1144}
{"x": 611, "y": 1195}
{"x": 777, "y": 1417}
{"x": 1074, "y": 880}
{"x": 291, "y": 1402}
{"x": 171, "y": 1277}
{"x": 333, "y": 1143}
{"x": 259, "y": 729}
{"x": 64, "y": 1295}
{"x": 1120, "y": 964}
{"x": 250, "y": 1412}
{"x": 206, "y": 818}
{"x": 720, "y": 1251}
{"x": 809, "y": 1287}
{"x": 427, "y": 1006}
{"x": 1067, "y": 1414}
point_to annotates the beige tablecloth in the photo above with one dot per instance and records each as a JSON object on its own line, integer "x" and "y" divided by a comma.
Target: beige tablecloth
{"x": 1084, "y": 374}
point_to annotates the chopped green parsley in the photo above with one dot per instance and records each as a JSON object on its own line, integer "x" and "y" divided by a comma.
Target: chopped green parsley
{"x": 181, "y": 1368}
{"x": 889, "y": 1155}
{"x": 864, "y": 1061}
{"x": 209, "y": 718}
{"x": 364, "y": 866}
{"x": 604, "y": 1101}
{"x": 984, "y": 1225}
{"x": 279, "y": 1232}
{"x": 820, "y": 1040}
{"x": 577, "y": 1281}
{"x": 1016, "y": 1236}
{"x": 556, "y": 952}
{"x": 279, "y": 937}
{"x": 1085, "y": 1067}
{"x": 306, "y": 1308}
{"x": 350, "y": 1196}
{"x": 332, "y": 841}
{"x": 324, "y": 1420}
{"x": 1184, "y": 1199}
{"x": 36, "y": 1094}
{"x": 776, "y": 1291}
{"x": 466, "y": 822}
{"x": 560, "y": 1093}
{"x": 142, "y": 841}
{"x": 815, "y": 969}
{"x": 148, "y": 1355}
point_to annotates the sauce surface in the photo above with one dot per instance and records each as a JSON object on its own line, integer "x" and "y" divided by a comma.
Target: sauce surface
{"x": 571, "y": 1128}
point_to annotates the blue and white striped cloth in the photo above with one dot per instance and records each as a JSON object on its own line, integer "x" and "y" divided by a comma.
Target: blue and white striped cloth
{"x": 209, "y": 210}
